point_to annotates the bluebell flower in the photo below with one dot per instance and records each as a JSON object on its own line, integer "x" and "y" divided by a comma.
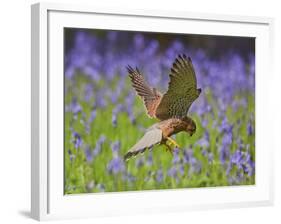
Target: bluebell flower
{"x": 71, "y": 155}
{"x": 187, "y": 156}
{"x": 116, "y": 165}
{"x": 250, "y": 130}
{"x": 115, "y": 147}
{"x": 204, "y": 141}
{"x": 149, "y": 161}
{"x": 227, "y": 139}
{"x": 89, "y": 154}
{"x": 159, "y": 176}
{"x": 92, "y": 72}
{"x": 98, "y": 146}
{"x": 176, "y": 157}
{"x": 100, "y": 101}
{"x": 129, "y": 177}
{"x": 101, "y": 139}
{"x": 224, "y": 153}
{"x": 75, "y": 107}
{"x": 114, "y": 120}
{"x": 102, "y": 60}
{"x": 225, "y": 126}
{"x": 172, "y": 172}
{"x": 100, "y": 187}
{"x": 195, "y": 167}
{"x": 93, "y": 116}
{"x": 88, "y": 92}
{"x": 139, "y": 41}
{"x": 181, "y": 169}
{"x": 77, "y": 140}
{"x": 139, "y": 162}
{"x": 208, "y": 155}
{"x": 237, "y": 159}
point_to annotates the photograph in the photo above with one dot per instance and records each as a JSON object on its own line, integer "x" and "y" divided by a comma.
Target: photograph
{"x": 157, "y": 111}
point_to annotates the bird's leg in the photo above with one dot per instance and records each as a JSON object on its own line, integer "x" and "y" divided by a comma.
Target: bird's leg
{"x": 168, "y": 148}
{"x": 173, "y": 142}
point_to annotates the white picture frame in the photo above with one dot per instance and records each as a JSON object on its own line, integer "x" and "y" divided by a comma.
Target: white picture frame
{"x": 47, "y": 198}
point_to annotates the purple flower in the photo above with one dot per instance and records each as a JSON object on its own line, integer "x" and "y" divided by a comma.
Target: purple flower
{"x": 75, "y": 107}
{"x": 98, "y": 146}
{"x": 237, "y": 159}
{"x": 195, "y": 167}
{"x": 227, "y": 139}
{"x": 92, "y": 72}
{"x": 242, "y": 160}
{"x": 100, "y": 187}
{"x": 139, "y": 162}
{"x": 159, "y": 176}
{"x": 181, "y": 169}
{"x": 132, "y": 118}
{"x": 115, "y": 147}
{"x": 100, "y": 100}
{"x": 88, "y": 92}
{"x": 89, "y": 154}
{"x": 187, "y": 156}
{"x": 224, "y": 153}
{"x": 71, "y": 155}
{"x": 172, "y": 172}
{"x": 250, "y": 130}
{"x": 249, "y": 165}
{"x": 115, "y": 112}
{"x": 129, "y": 177}
{"x": 101, "y": 139}
{"x": 208, "y": 155}
{"x": 77, "y": 140}
{"x": 204, "y": 141}
{"x": 139, "y": 41}
{"x": 176, "y": 158}
{"x": 115, "y": 166}
{"x": 114, "y": 120}
{"x": 114, "y": 98}
{"x": 93, "y": 116}
{"x": 101, "y": 61}
{"x": 225, "y": 126}
{"x": 149, "y": 161}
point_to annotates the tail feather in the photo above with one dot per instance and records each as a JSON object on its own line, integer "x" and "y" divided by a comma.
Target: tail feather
{"x": 150, "y": 138}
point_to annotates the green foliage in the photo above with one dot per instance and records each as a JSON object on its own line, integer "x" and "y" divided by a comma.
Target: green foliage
{"x": 82, "y": 175}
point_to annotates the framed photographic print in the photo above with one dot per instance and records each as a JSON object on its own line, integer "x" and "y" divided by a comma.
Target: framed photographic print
{"x": 148, "y": 111}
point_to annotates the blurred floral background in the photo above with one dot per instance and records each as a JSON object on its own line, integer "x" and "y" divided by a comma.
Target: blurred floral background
{"x": 104, "y": 117}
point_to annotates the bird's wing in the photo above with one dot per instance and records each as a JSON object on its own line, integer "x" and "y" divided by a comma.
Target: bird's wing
{"x": 182, "y": 90}
{"x": 150, "y": 96}
{"x": 152, "y": 137}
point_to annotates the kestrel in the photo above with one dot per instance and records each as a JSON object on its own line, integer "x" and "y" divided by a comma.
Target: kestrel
{"x": 170, "y": 108}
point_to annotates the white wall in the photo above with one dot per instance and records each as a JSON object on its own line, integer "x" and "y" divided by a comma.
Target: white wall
{"x": 15, "y": 110}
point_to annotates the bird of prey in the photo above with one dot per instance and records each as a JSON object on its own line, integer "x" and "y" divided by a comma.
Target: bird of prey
{"x": 170, "y": 108}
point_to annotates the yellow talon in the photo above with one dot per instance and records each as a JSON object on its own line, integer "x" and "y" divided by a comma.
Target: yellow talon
{"x": 173, "y": 142}
{"x": 168, "y": 148}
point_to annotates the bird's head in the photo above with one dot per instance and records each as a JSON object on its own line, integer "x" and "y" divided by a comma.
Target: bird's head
{"x": 190, "y": 126}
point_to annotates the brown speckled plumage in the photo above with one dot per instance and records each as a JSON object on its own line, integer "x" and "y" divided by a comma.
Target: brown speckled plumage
{"x": 173, "y": 126}
{"x": 170, "y": 108}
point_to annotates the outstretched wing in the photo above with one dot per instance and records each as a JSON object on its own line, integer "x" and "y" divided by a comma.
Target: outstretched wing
{"x": 150, "y": 96}
{"x": 182, "y": 90}
{"x": 152, "y": 137}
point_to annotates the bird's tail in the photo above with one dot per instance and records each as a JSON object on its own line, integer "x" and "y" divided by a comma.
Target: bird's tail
{"x": 152, "y": 137}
